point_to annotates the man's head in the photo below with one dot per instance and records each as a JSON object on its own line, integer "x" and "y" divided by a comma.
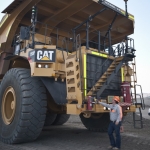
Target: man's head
{"x": 116, "y": 99}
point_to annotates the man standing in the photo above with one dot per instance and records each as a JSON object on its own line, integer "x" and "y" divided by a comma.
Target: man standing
{"x": 115, "y": 123}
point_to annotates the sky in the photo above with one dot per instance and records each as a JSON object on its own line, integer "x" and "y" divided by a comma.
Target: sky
{"x": 141, "y": 12}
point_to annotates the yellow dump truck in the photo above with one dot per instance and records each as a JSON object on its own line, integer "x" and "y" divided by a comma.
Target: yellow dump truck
{"x": 58, "y": 58}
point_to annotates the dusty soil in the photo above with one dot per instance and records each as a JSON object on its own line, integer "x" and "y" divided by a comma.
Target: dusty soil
{"x": 74, "y": 136}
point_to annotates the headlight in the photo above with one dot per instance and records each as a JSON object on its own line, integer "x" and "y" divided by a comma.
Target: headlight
{"x": 108, "y": 108}
{"x": 128, "y": 108}
{"x": 46, "y": 66}
{"x": 42, "y": 65}
{"x": 104, "y": 108}
{"x": 39, "y": 66}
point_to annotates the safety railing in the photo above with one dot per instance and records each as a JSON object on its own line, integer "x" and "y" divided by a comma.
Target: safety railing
{"x": 48, "y": 35}
{"x": 119, "y": 50}
{"x": 140, "y": 95}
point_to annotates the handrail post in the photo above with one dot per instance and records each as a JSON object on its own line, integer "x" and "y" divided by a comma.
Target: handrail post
{"x": 110, "y": 43}
{"x": 74, "y": 39}
{"x": 87, "y": 35}
{"x": 104, "y": 46}
{"x": 99, "y": 41}
{"x": 33, "y": 21}
{"x": 57, "y": 39}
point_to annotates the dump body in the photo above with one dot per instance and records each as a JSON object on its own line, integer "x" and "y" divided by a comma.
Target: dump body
{"x": 64, "y": 15}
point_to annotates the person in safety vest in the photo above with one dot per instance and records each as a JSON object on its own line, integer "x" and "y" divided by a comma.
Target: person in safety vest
{"x": 115, "y": 123}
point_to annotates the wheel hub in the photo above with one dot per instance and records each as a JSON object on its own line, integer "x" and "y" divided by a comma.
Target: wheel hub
{"x": 12, "y": 105}
{"x": 8, "y": 105}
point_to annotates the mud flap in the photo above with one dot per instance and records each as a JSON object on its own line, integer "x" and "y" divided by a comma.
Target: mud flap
{"x": 57, "y": 89}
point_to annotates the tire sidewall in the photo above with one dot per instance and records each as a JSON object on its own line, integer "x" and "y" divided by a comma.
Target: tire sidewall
{"x": 96, "y": 124}
{"x": 61, "y": 119}
{"x": 8, "y": 131}
{"x": 50, "y": 118}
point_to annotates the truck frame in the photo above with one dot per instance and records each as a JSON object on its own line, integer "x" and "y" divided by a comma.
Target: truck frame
{"x": 58, "y": 58}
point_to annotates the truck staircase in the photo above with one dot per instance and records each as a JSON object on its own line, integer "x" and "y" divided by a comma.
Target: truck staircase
{"x": 140, "y": 105}
{"x": 106, "y": 78}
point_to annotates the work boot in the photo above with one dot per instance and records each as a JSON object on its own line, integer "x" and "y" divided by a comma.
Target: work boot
{"x": 115, "y": 148}
{"x": 110, "y": 147}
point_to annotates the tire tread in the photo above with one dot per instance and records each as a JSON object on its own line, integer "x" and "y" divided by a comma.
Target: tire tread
{"x": 34, "y": 105}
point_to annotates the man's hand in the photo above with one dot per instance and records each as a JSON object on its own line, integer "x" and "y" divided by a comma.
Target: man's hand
{"x": 116, "y": 123}
{"x": 98, "y": 101}
{"x": 121, "y": 129}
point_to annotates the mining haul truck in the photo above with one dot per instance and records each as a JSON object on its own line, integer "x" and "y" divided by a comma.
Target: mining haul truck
{"x": 59, "y": 58}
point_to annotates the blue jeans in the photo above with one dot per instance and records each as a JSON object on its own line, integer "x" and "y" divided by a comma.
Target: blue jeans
{"x": 113, "y": 127}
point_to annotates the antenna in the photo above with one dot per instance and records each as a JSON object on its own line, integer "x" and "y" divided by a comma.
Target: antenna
{"x": 34, "y": 14}
{"x": 126, "y": 7}
{"x": 33, "y": 21}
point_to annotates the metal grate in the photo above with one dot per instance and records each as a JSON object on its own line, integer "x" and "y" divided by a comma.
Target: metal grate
{"x": 95, "y": 69}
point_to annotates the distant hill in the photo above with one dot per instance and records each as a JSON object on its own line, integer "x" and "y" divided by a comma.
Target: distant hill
{"x": 145, "y": 95}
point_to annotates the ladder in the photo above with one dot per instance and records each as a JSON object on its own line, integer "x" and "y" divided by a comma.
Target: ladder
{"x": 139, "y": 104}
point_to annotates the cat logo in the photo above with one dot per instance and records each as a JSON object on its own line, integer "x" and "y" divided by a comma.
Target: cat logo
{"x": 45, "y": 55}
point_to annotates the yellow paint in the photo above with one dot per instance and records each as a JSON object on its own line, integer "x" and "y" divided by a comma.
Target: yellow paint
{"x": 85, "y": 80}
{"x": 53, "y": 74}
{"x": 131, "y": 17}
{"x": 44, "y": 47}
{"x": 100, "y": 54}
{"x": 123, "y": 12}
{"x": 122, "y": 74}
{"x": 45, "y": 58}
{"x": 8, "y": 31}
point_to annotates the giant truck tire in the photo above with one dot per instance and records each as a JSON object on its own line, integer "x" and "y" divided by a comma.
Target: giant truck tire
{"x": 23, "y": 104}
{"x": 50, "y": 118}
{"x": 61, "y": 119}
{"x": 97, "y": 122}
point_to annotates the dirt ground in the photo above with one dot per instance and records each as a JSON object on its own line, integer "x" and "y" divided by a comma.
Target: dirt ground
{"x": 74, "y": 136}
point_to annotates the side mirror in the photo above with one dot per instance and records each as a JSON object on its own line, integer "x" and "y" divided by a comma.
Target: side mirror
{"x": 24, "y": 33}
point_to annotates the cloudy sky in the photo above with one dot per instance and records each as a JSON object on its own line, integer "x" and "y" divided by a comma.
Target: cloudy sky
{"x": 140, "y": 9}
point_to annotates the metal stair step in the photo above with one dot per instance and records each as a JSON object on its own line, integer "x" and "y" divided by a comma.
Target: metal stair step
{"x": 101, "y": 81}
{"x": 110, "y": 70}
{"x": 104, "y": 77}
{"x": 112, "y": 67}
{"x": 116, "y": 63}
{"x": 98, "y": 85}
{"x": 119, "y": 58}
{"x": 138, "y": 103}
{"x": 97, "y": 89}
{"x": 91, "y": 94}
{"x": 107, "y": 73}
{"x": 113, "y": 64}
